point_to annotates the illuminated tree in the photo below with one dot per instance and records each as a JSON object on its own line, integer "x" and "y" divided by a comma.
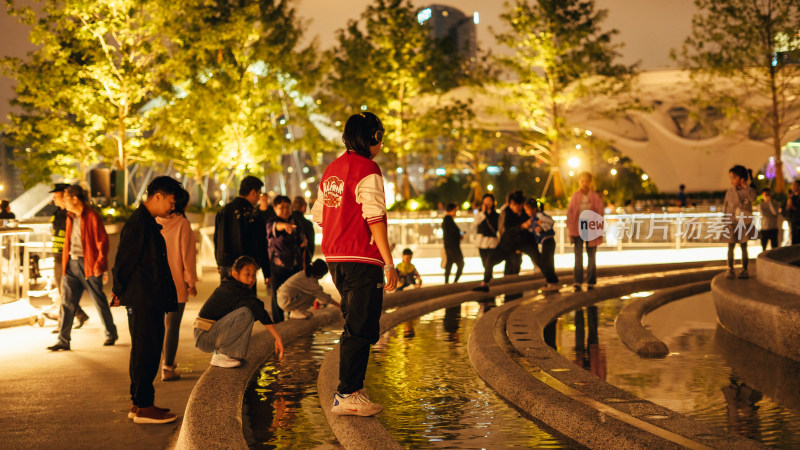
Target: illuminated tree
{"x": 115, "y": 56}
{"x": 245, "y": 98}
{"x": 560, "y": 59}
{"x": 384, "y": 63}
{"x": 755, "y": 46}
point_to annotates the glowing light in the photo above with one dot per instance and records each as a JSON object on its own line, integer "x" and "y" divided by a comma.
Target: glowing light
{"x": 282, "y": 122}
{"x": 465, "y": 205}
{"x": 441, "y": 172}
{"x": 1, "y": 187}
{"x": 588, "y": 132}
{"x": 572, "y": 173}
{"x": 363, "y": 107}
{"x": 413, "y": 205}
{"x": 223, "y": 187}
{"x": 493, "y": 170}
{"x": 288, "y": 135}
{"x": 613, "y": 171}
{"x": 645, "y": 177}
{"x": 538, "y": 179}
{"x": 303, "y": 185}
{"x": 305, "y": 169}
{"x": 761, "y": 176}
{"x": 399, "y": 170}
{"x": 574, "y": 162}
{"x": 490, "y": 188}
{"x": 308, "y": 193}
{"x": 476, "y": 18}
{"x": 577, "y": 146}
{"x": 424, "y": 15}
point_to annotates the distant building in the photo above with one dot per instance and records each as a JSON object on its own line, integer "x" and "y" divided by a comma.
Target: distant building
{"x": 446, "y": 22}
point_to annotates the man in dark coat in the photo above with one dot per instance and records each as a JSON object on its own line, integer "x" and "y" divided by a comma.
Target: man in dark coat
{"x": 300, "y": 206}
{"x": 239, "y": 229}
{"x": 452, "y": 243}
{"x": 143, "y": 284}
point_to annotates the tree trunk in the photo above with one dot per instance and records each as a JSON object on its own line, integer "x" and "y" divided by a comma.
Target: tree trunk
{"x": 123, "y": 158}
{"x": 406, "y": 180}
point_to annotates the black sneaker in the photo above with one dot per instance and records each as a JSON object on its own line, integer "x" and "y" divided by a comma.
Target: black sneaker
{"x": 576, "y": 288}
{"x": 58, "y": 347}
{"x": 110, "y": 341}
{"x": 731, "y": 274}
{"x": 743, "y": 275}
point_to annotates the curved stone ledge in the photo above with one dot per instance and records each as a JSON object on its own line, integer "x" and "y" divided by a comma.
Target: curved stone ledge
{"x": 543, "y": 384}
{"x": 367, "y": 432}
{"x": 213, "y": 417}
{"x": 213, "y": 413}
{"x": 761, "y": 314}
{"x": 777, "y": 269}
{"x": 629, "y": 325}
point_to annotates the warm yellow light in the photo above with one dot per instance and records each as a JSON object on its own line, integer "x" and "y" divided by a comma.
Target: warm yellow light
{"x": 572, "y": 173}
{"x": 574, "y": 162}
{"x": 490, "y": 188}
{"x": 760, "y": 176}
{"x": 465, "y": 205}
{"x": 413, "y": 205}
{"x": 223, "y": 187}
{"x": 613, "y": 171}
{"x": 645, "y": 177}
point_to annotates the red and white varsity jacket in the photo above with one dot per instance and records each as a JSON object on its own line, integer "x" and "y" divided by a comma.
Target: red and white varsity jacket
{"x": 349, "y": 199}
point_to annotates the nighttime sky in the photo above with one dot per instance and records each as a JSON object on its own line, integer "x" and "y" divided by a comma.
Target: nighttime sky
{"x": 649, "y": 28}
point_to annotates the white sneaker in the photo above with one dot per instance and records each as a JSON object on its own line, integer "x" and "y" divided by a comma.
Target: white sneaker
{"x": 355, "y": 404}
{"x": 297, "y": 314}
{"x": 225, "y": 361}
{"x": 550, "y": 287}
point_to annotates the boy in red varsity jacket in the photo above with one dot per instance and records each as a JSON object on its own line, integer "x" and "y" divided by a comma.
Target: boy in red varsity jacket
{"x": 351, "y": 210}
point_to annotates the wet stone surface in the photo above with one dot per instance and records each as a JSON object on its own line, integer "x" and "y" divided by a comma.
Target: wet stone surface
{"x": 710, "y": 375}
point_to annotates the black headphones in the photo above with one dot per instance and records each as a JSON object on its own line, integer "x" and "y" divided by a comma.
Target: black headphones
{"x": 375, "y": 134}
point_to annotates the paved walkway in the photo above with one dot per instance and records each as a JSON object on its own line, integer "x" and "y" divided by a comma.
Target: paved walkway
{"x": 79, "y": 399}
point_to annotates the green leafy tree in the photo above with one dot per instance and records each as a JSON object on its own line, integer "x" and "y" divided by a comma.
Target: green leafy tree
{"x": 115, "y": 55}
{"x": 245, "y": 99}
{"x": 560, "y": 59}
{"x": 755, "y": 47}
{"x": 384, "y": 63}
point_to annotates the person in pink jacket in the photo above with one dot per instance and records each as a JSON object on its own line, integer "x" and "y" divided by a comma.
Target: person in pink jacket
{"x": 182, "y": 256}
{"x": 585, "y": 198}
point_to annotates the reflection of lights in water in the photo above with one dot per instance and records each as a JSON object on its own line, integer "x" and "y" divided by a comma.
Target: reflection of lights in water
{"x": 642, "y": 294}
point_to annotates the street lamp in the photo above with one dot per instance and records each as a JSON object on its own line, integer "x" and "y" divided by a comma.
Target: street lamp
{"x": 574, "y": 162}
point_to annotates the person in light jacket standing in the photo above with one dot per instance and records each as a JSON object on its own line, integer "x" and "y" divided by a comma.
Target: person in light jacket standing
{"x": 584, "y": 199}
{"x": 182, "y": 257}
{"x": 351, "y": 210}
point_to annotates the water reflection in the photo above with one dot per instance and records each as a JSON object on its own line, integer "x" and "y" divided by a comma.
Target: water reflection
{"x": 432, "y": 396}
{"x": 281, "y": 405}
{"x": 710, "y": 375}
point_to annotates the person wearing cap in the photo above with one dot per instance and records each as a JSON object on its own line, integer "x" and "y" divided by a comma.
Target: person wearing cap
{"x": 239, "y": 229}
{"x": 59, "y": 223}
{"x": 85, "y": 266}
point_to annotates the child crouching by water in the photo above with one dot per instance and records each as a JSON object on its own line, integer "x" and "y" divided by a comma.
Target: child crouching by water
{"x": 298, "y": 293}
{"x": 225, "y": 321}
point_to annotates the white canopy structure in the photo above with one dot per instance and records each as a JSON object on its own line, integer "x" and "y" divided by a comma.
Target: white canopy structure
{"x": 672, "y": 146}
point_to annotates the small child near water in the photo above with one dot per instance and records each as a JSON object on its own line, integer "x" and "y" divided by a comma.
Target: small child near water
{"x": 298, "y": 293}
{"x": 225, "y": 321}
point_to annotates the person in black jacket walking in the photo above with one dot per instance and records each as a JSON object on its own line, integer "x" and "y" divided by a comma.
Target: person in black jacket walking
{"x": 143, "y": 284}
{"x": 452, "y": 243}
{"x": 240, "y": 229}
{"x": 299, "y": 207}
